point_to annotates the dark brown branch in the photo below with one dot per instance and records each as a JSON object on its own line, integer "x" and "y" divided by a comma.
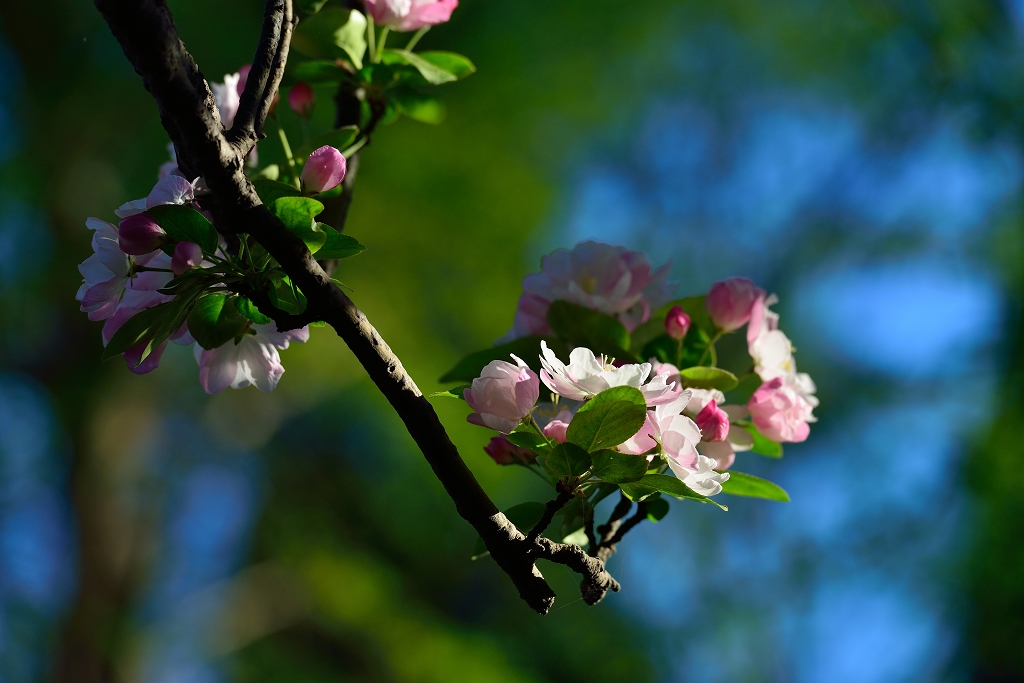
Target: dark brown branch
{"x": 265, "y": 75}
{"x": 614, "y": 520}
{"x": 149, "y": 38}
{"x": 550, "y": 509}
{"x": 611, "y": 534}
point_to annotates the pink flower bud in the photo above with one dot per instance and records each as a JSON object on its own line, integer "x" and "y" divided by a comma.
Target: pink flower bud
{"x": 139, "y": 234}
{"x": 301, "y": 99}
{"x": 324, "y": 169}
{"x": 557, "y": 428}
{"x": 503, "y": 395}
{"x": 186, "y": 255}
{"x": 780, "y": 412}
{"x": 713, "y": 422}
{"x": 677, "y": 323}
{"x": 504, "y": 452}
{"x": 729, "y": 303}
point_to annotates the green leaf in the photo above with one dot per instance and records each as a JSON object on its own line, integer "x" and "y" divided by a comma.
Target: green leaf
{"x": 741, "y": 393}
{"x": 418, "y": 106}
{"x": 297, "y": 215}
{"x": 657, "y": 508}
{"x": 452, "y": 62}
{"x": 662, "y": 483}
{"x": 701, "y": 377}
{"x": 270, "y": 190}
{"x": 608, "y": 419}
{"x": 270, "y": 172}
{"x": 530, "y": 440}
{"x": 286, "y": 296}
{"x": 597, "y": 331}
{"x": 185, "y": 224}
{"x": 432, "y": 73}
{"x": 338, "y": 245}
{"x": 310, "y": 6}
{"x": 331, "y": 33}
{"x": 523, "y": 515}
{"x": 567, "y": 460}
{"x": 248, "y": 309}
{"x": 741, "y": 484}
{"x": 315, "y": 71}
{"x": 215, "y": 321}
{"x": 454, "y": 392}
{"x": 618, "y": 468}
{"x": 762, "y": 444}
{"x": 527, "y": 348}
{"x": 137, "y": 329}
{"x": 570, "y": 519}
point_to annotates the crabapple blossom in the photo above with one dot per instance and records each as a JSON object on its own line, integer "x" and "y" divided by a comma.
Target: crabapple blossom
{"x": 702, "y": 477}
{"x": 105, "y": 273}
{"x": 139, "y": 234}
{"x": 666, "y": 425}
{"x": 323, "y": 170}
{"x": 780, "y": 412}
{"x": 504, "y": 452}
{"x": 713, "y": 422}
{"x": 410, "y": 15}
{"x": 729, "y": 303}
{"x": 587, "y": 376}
{"x": 301, "y": 99}
{"x": 772, "y": 351}
{"x": 186, "y": 255}
{"x": 677, "y": 323}
{"x": 503, "y": 395}
{"x": 227, "y": 96}
{"x": 254, "y": 359}
{"x": 557, "y": 428}
{"x": 599, "y": 276}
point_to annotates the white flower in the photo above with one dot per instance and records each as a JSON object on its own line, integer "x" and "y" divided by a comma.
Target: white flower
{"x": 702, "y": 478}
{"x": 586, "y": 376}
{"x": 772, "y": 351}
{"x": 105, "y": 273}
{"x": 227, "y": 97}
{"x": 253, "y": 360}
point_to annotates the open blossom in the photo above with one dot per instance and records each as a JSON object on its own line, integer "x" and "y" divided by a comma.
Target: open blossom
{"x": 503, "y": 395}
{"x": 324, "y": 169}
{"x": 702, "y": 477}
{"x": 105, "y": 273}
{"x": 586, "y": 376}
{"x": 780, "y": 412}
{"x": 410, "y": 15}
{"x": 169, "y": 189}
{"x": 772, "y": 351}
{"x": 730, "y": 302}
{"x": 504, "y": 452}
{"x": 602, "y": 277}
{"x": 227, "y": 96}
{"x": 253, "y": 360}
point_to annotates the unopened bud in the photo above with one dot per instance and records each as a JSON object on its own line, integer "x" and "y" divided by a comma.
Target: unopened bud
{"x": 504, "y": 452}
{"x": 301, "y": 99}
{"x": 558, "y": 427}
{"x": 713, "y": 422}
{"x": 186, "y": 255}
{"x": 324, "y": 170}
{"x": 677, "y": 323}
{"x": 139, "y": 234}
{"x": 729, "y": 302}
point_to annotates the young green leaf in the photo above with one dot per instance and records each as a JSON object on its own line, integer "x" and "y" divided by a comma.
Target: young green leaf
{"x": 418, "y": 106}
{"x": 523, "y": 515}
{"x": 741, "y": 484}
{"x": 215, "y": 321}
{"x": 249, "y": 310}
{"x": 762, "y": 444}
{"x": 332, "y": 32}
{"x": 270, "y": 190}
{"x": 338, "y": 245}
{"x": 608, "y": 419}
{"x": 742, "y": 392}
{"x": 527, "y": 348}
{"x": 597, "y": 331}
{"x": 185, "y": 224}
{"x": 567, "y": 460}
{"x": 452, "y": 62}
{"x": 433, "y": 74}
{"x": 529, "y": 440}
{"x": 297, "y": 214}
{"x": 662, "y": 483}
{"x": 454, "y": 392}
{"x": 286, "y": 296}
{"x": 137, "y": 329}
{"x": 701, "y": 377}
{"x": 657, "y": 508}
{"x": 618, "y": 468}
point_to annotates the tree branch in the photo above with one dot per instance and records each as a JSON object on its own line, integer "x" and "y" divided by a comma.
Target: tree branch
{"x": 149, "y": 38}
{"x": 550, "y": 509}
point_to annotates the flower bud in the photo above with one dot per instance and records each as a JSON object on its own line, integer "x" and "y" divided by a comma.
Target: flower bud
{"x": 677, "y": 323}
{"x": 139, "y": 234}
{"x": 713, "y": 422}
{"x": 504, "y": 452}
{"x": 186, "y": 255}
{"x": 729, "y": 302}
{"x": 557, "y": 428}
{"x": 301, "y": 99}
{"x": 324, "y": 170}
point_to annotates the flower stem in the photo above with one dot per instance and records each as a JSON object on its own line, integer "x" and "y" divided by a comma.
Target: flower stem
{"x": 288, "y": 155}
{"x": 710, "y": 348}
{"x": 380, "y": 46}
{"x": 371, "y": 39}
{"x": 416, "y": 38}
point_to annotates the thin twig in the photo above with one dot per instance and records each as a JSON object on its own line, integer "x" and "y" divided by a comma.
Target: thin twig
{"x": 552, "y": 507}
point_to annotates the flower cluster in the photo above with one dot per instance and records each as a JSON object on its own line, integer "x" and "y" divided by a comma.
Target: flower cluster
{"x": 642, "y": 395}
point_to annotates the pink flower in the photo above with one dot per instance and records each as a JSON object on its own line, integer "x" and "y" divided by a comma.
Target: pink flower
{"x": 713, "y": 422}
{"x": 780, "y": 412}
{"x": 557, "y": 428}
{"x": 301, "y": 99}
{"x": 253, "y": 360}
{"x": 139, "y": 234}
{"x": 410, "y": 15}
{"x": 677, "y": 323}
{"x": 186, "y": 255}
{"x": 105, "y": 273}
{"x": 504, "y": 452}
{"x": 323, "y": 170}
{"x": 730, "y": 302}
{"x": 586, "y": 376}
{"x": 503, "y": 395}
{"x": 171, "y": 189}
{"x": 602, "y": 277}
